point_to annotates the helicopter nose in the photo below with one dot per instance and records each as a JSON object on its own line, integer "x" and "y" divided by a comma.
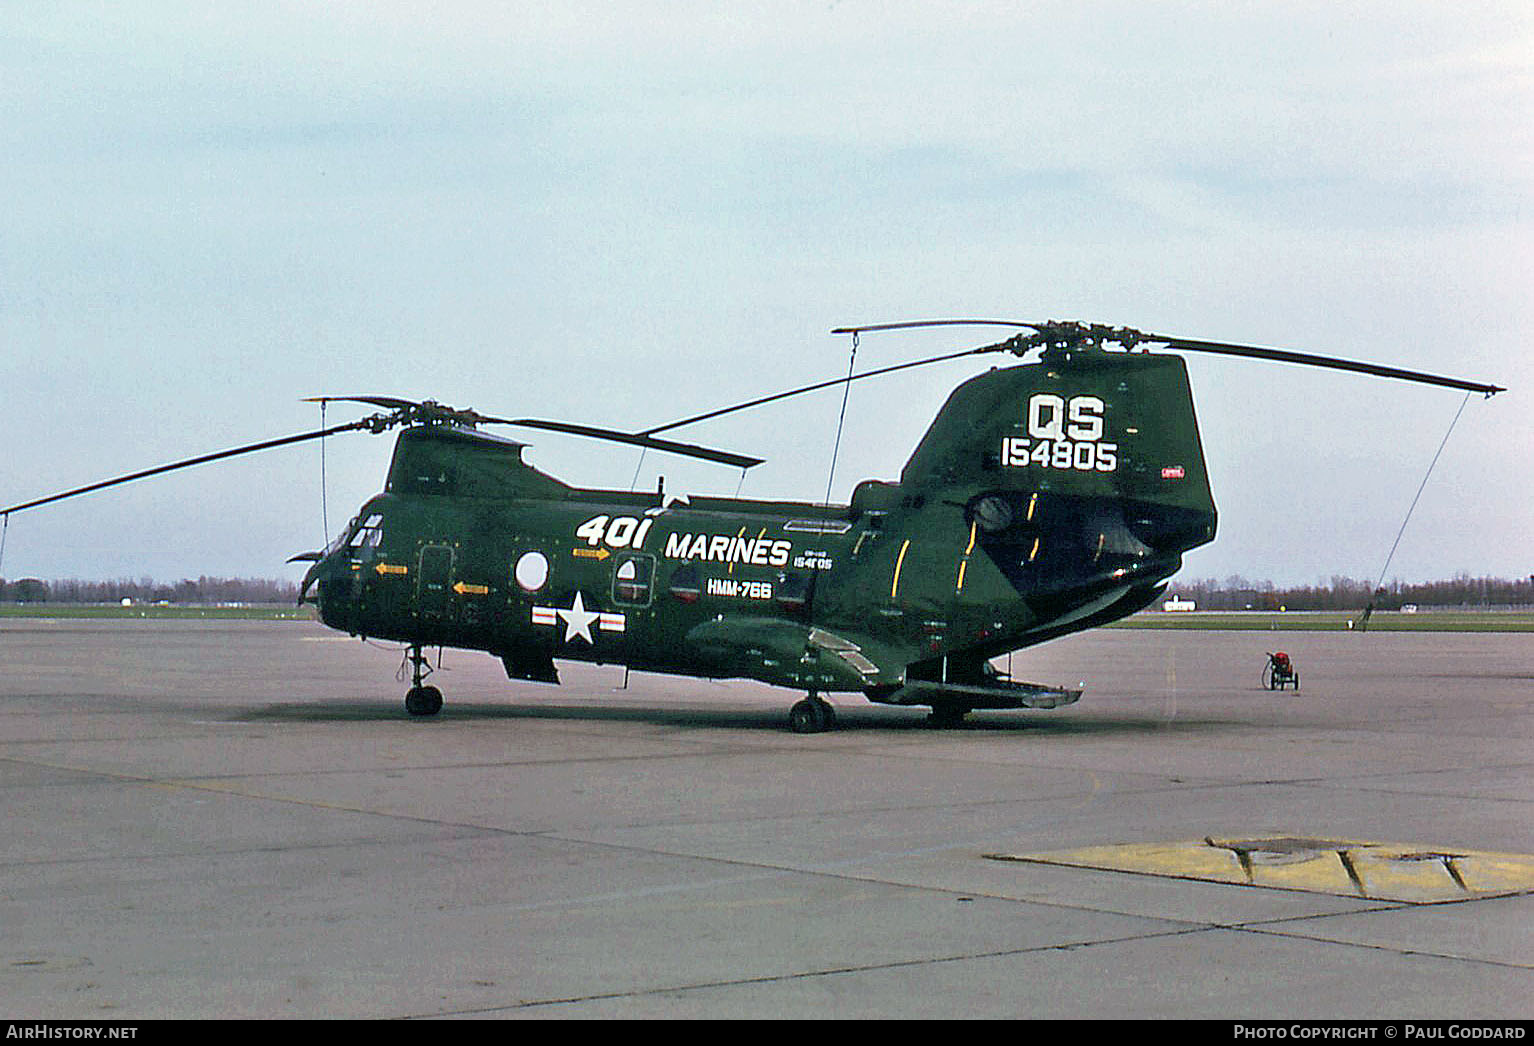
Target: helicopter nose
{"x": 312, "y": 575}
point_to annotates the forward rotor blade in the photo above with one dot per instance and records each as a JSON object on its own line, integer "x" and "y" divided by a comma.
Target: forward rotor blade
{"x": 1329, "y": 362}
{"x": 188, "y": 463}
{"x": 642, "y": 439}
{"x": 412, "y": 412}
{"x": 435, "y": 411}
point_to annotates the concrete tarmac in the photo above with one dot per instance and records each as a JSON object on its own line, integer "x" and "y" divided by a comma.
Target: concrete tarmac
{"x": 237, "y": 819}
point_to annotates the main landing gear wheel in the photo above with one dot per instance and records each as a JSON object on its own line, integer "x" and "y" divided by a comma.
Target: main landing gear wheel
{"x": 423, "y": 700}
{"x": 813, "y": 715}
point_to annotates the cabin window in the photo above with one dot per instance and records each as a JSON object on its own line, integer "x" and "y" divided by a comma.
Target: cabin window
{"x": 794, "y": 590}
{"x": 633, "y": 579}
{"x": 685, "y": 584}
{"x": 531, "y": 571}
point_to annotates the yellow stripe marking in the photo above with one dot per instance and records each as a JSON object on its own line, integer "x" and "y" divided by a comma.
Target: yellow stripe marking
{"x": 964, "y": 563}
{"x": 730, "y": 570}
{"x": 899, "y": 560}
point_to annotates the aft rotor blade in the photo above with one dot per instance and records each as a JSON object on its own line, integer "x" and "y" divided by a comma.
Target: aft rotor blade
{"x": 387, "y": 402}
{"x": 1068, "y": 334}
{"x": 1329, "y": 362}
{"x": 818, "y": 385}
{"x": 642, "y": 439}
{"x": 908, "y": 324}
{"x": 188, "y": 463}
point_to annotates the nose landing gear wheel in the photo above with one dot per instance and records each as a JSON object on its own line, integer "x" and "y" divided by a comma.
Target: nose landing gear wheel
{"x": 813, "y": 715}
{"x": 420, "y": 699}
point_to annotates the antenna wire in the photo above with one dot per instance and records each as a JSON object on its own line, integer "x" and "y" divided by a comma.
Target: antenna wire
{"x": 842, "y": 418}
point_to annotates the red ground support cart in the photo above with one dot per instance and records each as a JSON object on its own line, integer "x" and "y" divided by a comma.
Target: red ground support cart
{"x": 1280, "y": 672}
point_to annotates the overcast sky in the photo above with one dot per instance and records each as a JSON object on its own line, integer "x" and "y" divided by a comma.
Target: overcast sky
{"x": 624, "y": 214}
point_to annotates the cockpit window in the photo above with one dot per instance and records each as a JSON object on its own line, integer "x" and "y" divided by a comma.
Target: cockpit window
{"x": 339, "y": 540}
{"x": 367, "y": 536}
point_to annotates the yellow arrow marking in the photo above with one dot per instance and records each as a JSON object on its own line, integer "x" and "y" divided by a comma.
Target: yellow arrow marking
{"x": 591, "y": 553}
{"x": 463, "y": 588}
{"x": 391, "y": 568}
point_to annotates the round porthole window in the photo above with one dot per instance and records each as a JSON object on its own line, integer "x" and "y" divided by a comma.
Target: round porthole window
{"x": 532, "y": 571}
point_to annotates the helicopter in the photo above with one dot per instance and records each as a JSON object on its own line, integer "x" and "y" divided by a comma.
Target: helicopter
{"x": 1046, "y": 497}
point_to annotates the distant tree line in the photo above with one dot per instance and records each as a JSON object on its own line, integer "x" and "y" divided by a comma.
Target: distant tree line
{"x": 204, "y": 590}
{"x": 1345, "y": 593}
{"x": 1234, "y": 593}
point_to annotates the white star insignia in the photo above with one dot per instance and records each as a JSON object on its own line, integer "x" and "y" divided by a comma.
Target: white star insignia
{"x": 578, "y": 620}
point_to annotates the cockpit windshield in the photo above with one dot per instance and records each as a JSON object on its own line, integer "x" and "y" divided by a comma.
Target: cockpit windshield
{"x": 360, "y": 537}
{"x": 366, "y": 537}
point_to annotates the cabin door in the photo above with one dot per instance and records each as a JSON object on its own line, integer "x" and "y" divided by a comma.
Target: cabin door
{"x": 434, "y": 581}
